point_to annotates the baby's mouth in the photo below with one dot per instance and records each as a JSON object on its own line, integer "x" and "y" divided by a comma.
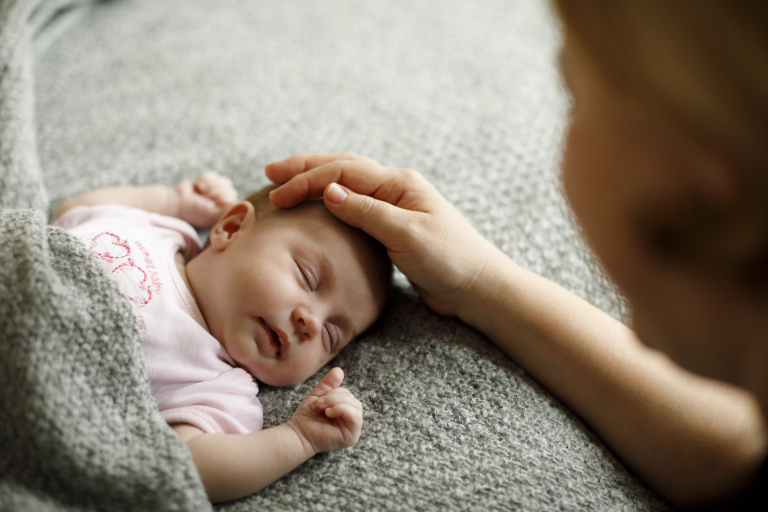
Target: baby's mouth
{"x": 274, "y": 338}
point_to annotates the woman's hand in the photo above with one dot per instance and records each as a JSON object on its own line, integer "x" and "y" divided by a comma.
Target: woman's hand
{"x": 426, "y": 237}
{"x": 203, "y": 201}
{"x": 330, "y": 417}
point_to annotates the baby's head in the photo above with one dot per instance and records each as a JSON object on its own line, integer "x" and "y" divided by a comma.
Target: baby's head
{"x": 285, "y": 290}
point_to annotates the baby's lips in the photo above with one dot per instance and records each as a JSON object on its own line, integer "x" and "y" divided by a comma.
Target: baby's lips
{"x": 284, "y": 343}
{"x": 272, "y": 340}
{"x": 277, "y": 339}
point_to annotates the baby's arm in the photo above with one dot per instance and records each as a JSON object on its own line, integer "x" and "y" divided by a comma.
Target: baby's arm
{"x": 200, "y": 202}
{"x": 235, "y": 465}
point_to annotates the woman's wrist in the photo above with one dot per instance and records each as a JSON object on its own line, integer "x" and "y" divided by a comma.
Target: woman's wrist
{"x": 482, "y": 300}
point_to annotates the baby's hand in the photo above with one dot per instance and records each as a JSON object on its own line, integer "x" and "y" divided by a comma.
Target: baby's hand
{"x": 330, "y": 417}
{"x": 203, "y": 201}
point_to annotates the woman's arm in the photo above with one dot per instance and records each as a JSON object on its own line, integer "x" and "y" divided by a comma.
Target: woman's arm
{"x": 232, "y": 466}
{"x": 694, "y": 440}
{"x": 689, "y": 438}
{"x": 200, "y": 202}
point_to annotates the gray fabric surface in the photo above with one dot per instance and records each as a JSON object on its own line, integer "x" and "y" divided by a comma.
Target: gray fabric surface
{"x": 146, "y": 92}
{"x": 20, "y": 181}
{"x": 78, "y": 427}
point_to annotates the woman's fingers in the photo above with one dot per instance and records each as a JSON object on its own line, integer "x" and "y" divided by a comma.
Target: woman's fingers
{"x": 405, "y": 188}
{"x": 385, "y": 222}
{"x": 284, "y": 170}
{"x": 364, "y": 176}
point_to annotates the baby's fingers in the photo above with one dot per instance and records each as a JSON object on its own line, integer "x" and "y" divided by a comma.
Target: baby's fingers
{"x": 216, "y": 187}
{"x": 336, "y": 397}
{"x": 346, "y": 411}
{"x": 205, "y": 182}
{"x": 349, "y": 421}
{"x": 331, "y": 381}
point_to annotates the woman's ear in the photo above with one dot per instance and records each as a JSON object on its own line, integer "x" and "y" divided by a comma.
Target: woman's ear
{"x": 232, "y": 223}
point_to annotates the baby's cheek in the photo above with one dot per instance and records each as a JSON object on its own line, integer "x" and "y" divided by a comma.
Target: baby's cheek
{"x": 313, "y": 364}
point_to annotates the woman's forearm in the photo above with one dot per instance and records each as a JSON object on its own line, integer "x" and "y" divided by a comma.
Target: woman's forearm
{"x": 153, "y": 198}
{"x": 688, "y": 437}
{"x": 232, "y": 466}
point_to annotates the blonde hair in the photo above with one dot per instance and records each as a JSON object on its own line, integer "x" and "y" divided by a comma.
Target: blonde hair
{"x": 699, "y": 67}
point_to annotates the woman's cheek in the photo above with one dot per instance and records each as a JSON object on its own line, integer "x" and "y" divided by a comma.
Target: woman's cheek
{"x": 575, "y": 176}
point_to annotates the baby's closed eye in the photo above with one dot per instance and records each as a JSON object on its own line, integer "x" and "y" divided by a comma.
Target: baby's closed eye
{"x": 309, "y": 277}
{"x": 333, "y": 335}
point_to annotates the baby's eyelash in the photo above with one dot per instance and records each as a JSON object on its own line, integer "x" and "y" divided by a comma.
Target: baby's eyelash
{"x": 307, "y": 275}
{"x": 304, "y": 275}
{"x": 333, "y": 334}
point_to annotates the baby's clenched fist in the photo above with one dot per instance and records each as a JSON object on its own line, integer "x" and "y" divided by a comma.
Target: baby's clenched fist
{"x": 203, "y": 201}
{"x": 330, "y": 417}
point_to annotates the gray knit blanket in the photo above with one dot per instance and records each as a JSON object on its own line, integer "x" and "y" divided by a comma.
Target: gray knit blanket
{"x": 132, "y": 92}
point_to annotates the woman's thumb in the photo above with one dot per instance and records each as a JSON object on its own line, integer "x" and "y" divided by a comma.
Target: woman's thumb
{"x": 381, "y": 220}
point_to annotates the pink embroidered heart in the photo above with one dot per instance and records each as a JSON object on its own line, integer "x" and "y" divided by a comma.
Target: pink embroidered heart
{"x": 137, "y": 275}
{"x": 109, "y": 241}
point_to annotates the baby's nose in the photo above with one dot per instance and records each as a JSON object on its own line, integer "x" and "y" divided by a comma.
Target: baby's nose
{"x": 307, "y": 326}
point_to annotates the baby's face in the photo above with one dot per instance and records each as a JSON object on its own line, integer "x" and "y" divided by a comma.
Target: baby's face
{"x": 291, "y": 291}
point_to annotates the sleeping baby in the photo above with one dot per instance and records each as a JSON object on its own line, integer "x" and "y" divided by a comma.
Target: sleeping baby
{"x": 273, "y": 296}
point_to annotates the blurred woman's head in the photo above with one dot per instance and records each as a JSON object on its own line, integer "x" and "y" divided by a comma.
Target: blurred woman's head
{"x": 666, "y": 166}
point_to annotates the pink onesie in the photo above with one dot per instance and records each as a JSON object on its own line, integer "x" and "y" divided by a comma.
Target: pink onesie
{"x": 192, "y": 378}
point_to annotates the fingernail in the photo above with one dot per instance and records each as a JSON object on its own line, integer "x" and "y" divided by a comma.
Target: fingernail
{"x": 336, "y": 194}
{"x": 321, "y": 401}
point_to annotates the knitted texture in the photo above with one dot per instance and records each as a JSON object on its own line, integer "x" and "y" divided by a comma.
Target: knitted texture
{"x": 144, "y": 92}
{"x": 22, "y": 22}
{"x": 78, "y": 426}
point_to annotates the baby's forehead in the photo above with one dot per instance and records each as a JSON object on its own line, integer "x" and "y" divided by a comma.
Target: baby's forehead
{"x": 326, "y": 233}
{"x": 313, "y": 215}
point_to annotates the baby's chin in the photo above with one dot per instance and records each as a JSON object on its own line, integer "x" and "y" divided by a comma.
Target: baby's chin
{"x": 278, "y": 380}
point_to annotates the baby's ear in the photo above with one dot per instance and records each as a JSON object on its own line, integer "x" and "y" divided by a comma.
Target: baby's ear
{"x": 233, "y": 222}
